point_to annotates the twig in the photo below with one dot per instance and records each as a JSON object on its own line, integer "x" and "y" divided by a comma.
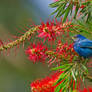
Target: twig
{"x": 25, "y": 36}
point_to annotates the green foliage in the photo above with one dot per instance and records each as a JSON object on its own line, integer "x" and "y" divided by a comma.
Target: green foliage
{"x": 67, "y": 7}
{"x": 87, "y": 11}
{"x": 69, "y": 78}
{"x": 82, "y": 27}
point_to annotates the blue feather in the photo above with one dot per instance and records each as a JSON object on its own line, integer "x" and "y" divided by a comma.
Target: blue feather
{"x": 85, "y": 43}
{"x": 83, "y": 46}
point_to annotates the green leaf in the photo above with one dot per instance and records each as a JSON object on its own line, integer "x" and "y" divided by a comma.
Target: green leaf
{"x": 71, "y": 10}
{"x": 76, "y": 10}
{"x": 62, "y": 67}
{"x": 67, "y": 12}
{"x": 60, "y": 10}
{"x": 62, "y": 85}
{"x": 85, "y": 68}
{"x": 61, "y": 77}
{"x": 73, "y": 74}
{"x": 57, "y": 9}
{"x": 55, "y": 4}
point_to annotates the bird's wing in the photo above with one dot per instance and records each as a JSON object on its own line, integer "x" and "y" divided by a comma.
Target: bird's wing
{"x": 85, "y": 44}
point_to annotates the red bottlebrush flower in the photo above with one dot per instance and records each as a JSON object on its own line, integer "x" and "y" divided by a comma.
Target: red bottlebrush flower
{"x": 63, "y": 51}
{"x": 36, "y": 52}
{"x": 46, "y": 84}
{"x": 66, "y": 51}
{"x": 51, "y": 30}
{"x": 82, "y": 6}
{"x": 46, "y": 31}
{"x": 89, "y": 89}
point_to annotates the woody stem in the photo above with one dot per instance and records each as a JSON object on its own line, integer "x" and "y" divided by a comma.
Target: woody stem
{"x": 22, "y": 38}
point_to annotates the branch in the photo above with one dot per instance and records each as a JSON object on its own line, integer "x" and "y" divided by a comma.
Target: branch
{"x": 25, "y": 36}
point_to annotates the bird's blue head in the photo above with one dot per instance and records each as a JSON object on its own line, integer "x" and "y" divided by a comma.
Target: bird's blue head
{"x": 78, "y": 37}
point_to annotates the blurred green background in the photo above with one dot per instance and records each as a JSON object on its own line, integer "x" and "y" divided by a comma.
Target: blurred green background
{"x": 16, "y": 73}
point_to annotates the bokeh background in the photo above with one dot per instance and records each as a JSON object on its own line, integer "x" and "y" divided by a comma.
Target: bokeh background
{"x": 16, "y": 71}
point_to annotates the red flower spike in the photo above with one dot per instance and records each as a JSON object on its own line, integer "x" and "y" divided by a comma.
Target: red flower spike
{"x": 66, "y": 50}
{"x": 46, "y": 32}
{"x": 51, "y": 30}
{"x": 37, "y": 52}
{"x": 82, "y": 6}
{"x": 46, "y": 84}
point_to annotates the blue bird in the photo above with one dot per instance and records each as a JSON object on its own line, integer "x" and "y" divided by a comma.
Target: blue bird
{"x": 82, "y": 46}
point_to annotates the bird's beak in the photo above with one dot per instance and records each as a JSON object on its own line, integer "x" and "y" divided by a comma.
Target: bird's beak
{"x": 73, "y": 38}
